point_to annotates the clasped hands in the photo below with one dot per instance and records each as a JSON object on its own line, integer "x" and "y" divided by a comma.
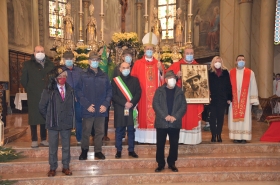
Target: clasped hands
{"x": 102, "y": 108}
{"x": 128, "y": 105}
{"x": 170, "y": 118}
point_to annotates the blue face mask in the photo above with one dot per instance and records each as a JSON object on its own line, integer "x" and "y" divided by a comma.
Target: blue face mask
{"x": 128, "y": 59}
{"x": 94, "y": 64}
{"x": 68, "y": 63}
{"x": 189, "y": 58}
{"x": 125, "y": 72}
{"x": 149, "y": 53}
{"x": 241, "y": 63}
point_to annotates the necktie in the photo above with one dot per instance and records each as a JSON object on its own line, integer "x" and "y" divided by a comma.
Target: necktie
{"x": 62, "y": 93}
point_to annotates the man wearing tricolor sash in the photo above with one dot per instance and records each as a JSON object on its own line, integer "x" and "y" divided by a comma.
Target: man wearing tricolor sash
{"x": 245, "y": 94}
{"x": 149, "y": 72}
{"x": 126, "y": 94}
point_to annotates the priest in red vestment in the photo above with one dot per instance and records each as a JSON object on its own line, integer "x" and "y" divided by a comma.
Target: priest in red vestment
{"x": 150, "y": 75}
{"x": 191, "y": 122}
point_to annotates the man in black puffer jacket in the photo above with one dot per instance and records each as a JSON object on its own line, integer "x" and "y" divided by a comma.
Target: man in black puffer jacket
{"x": 169, "y": 104}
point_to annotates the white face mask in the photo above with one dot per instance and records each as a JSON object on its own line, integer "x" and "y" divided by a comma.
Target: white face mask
{"x": 40, "y": 56}
{"x": 171, "y": 82}
{"x": 218, "y": 65}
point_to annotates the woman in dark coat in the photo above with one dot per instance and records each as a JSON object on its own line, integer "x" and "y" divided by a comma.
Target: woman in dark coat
{"x": 57, "y": 107}
{"x": 221, "y": 96}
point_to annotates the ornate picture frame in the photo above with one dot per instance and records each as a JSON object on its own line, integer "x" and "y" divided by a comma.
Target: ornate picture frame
{"x": 195, "y": 83}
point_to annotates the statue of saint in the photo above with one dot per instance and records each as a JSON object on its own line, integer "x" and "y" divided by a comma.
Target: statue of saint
{"x": 156, "y": 28}
{"x": 178, "y": 28}
{"x": 68, "y": 24}
{"x": 91, "y": 27}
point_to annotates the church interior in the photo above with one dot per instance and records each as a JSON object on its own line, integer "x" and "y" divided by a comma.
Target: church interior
{"x": 225, "y": 28}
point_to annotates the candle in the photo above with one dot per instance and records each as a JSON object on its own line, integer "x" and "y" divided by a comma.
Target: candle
{"x": 81, "y": 6}
{"x": 167, "y": 7}
{"x": 185, "y": 31}
{"x": 146, "y": 7}
{"x": 190, "y": 8}
{"x": 56, "y": 4}
{"x": 101, "y": 6}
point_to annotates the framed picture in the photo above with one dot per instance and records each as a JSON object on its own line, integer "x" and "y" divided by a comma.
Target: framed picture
{"x": 195, "y": 83}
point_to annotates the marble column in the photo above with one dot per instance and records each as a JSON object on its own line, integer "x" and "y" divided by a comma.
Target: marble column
{"x": 4, "y": 58}
{"x": 36, "y": 40}
{"x": 244, "y": 31}
{"x": 86, "y": 15}
{"x": 267, "y": 16}
{"x": 227, "y": 32}
{"x": 139, "y": 20}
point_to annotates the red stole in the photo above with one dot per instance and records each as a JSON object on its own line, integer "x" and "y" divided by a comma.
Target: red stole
{"x": 148, "y": 76}
{"x": 239, "y": 108}
{"x": 189, "y": 120}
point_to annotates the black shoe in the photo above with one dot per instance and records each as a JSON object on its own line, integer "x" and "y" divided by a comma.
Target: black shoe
{"x": 83, "y": 155}
{"x": 219, "y": 138}
{"x": 99, "y": 155}
{"x": 243, "y": 141}
{"x": 133, "y": 154}
{"x": 118, "y": 155}
{"x": 159, "y": 168}
{"x": 173, "y": 168}
{"x": 236, "y": 141}
{"x": 213, "y": 140}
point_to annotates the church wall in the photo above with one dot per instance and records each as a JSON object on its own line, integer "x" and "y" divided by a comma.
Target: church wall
{"x": 276, "y": 59}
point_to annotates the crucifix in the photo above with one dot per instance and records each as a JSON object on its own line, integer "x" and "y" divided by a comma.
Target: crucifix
{"x": 124, "y": 9}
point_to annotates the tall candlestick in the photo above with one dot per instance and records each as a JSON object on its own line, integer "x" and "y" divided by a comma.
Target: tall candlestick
{"x": 102, "y": 7}
{"x": 190, "y": 6}
{"x": 146, "y": 7}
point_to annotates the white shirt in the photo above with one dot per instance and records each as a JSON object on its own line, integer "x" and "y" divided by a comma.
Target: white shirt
{"x": 58, "y": 86}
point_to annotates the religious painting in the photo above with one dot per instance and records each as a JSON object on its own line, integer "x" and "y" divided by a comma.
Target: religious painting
{"x": 195, "y": 83}
{"x": 20, "y": 26}
{"x": 206, "y": 28}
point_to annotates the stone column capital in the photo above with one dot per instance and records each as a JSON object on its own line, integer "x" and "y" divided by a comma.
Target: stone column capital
{"x": 245, "y": 1}
{"x": 139, "y": 5}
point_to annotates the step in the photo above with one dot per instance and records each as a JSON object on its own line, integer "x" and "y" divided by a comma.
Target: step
{"x": 146, "y": 161}
{"x": 151, "y": 149}
{"x": 14, "y": 133}
{"x": 148, "y": 176}
{"x": 224, "y": 183}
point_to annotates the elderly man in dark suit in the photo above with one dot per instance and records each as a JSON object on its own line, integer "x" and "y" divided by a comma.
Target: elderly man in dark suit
{"x": 170, "y": 106}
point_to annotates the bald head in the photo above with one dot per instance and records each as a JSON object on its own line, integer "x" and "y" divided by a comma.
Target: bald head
{"x": 39, "y": 49}
{"x": 124, "y": 65}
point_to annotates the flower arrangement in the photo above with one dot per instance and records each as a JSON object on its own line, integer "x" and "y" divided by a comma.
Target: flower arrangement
{"x": 82, "y": 64}
{"x": 82, "y": 49}
{"x": 125, "y": 39}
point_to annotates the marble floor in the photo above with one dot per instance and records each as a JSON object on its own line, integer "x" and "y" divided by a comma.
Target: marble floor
{"x": 18, "y": 120}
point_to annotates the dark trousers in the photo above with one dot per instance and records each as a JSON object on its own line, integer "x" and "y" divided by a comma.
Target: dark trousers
{"x": 53, "y": 147}
{"x": 43, "y": 132}
{"x": 217, "y": 112}
{"x": 105, "y": 125}
{"x": 78, "y": 114}
{"x": 173, "y": 134}
{"x": 98, "y": 124}
{"x": 120, "y": 131}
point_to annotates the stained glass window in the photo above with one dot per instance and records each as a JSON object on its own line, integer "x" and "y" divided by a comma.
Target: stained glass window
{"x": 162, "y": 12}
{"x": 53, "y": 22}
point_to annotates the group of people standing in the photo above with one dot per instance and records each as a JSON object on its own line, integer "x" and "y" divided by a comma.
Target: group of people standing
{"x": 76, "y": 98}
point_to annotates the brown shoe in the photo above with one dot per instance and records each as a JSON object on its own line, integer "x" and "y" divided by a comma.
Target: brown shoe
{"x": 51, "y": 173}
{"x": 67, "y": 171}
{"x": 106, "y": 138}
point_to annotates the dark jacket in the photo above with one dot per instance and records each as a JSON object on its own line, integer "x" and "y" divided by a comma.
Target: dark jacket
{"x": 220, "y": 87}
{"x": 119, "y": 100}
{"x": 59, "y": 114}
{"x": 34, "y": 81}
{"x": 73, "y": 76}
{"x": 160, "y": 108}
{"x": 94, "y": 88}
